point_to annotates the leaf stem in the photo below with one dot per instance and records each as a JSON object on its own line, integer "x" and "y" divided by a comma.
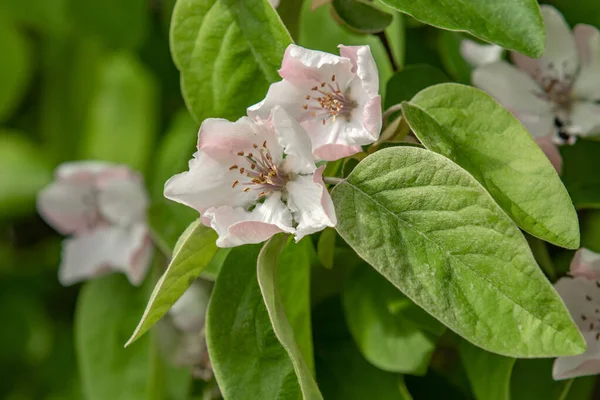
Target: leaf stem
{"x": 388, "y": 49}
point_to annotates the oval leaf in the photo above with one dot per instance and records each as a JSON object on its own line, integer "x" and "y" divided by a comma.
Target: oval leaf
{"x": 473, "y": 130}
{"x": 433, "y": 231}
{"x": 228, "y": 52}
{"x": 580, "y": 163}
{"x": 514, "y": 24}
{"x": 267, "y": 265}
{"x": 191, "y": 255}
{"x": 362, "y": 16}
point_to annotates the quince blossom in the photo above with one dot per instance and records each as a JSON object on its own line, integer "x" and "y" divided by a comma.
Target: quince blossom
{"x": 253, "y": 178}
{"x": 103, "y": 206}
{"x": 586, "y": 263}
{"x": 554, "y": 96}
{"x": 335, "y": 98}
{"x": 477, "y": 54}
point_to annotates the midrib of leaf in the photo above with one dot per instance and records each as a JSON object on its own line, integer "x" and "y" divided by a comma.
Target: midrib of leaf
{"x": 449, "y": 257}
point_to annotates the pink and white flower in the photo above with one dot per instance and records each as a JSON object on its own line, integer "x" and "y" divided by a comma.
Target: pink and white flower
{"x": 554, "y": 96}
{"x": 478, "y": 54}
{"x": 335, "y": 98}
{"x": 253, "y": 178}
{"x": 586, "y": 263}
{"x": 103, "y": 206}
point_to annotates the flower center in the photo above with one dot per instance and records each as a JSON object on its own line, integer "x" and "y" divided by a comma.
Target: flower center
{"x": 557, "y": 86}
{"x": 330, "y": 103}
{"x": 260, "y": 173}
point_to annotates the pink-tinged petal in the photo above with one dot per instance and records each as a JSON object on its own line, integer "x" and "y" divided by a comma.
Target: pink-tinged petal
{"x": 209, "y": 183}
{"x": 527, "y": 64}
{"x": 551, "y": 151}
{"x": 560, "y": 53}
{"x": 189, "y": 311}
{"x": 587, "y": 85}
{"x": 122, "y": 201}
{"x": 310, "y": 203}
{"x": 285, "y": 95}
{"x": 363, "y": 65}
{"x": 586, "y": 263}
{"x": 141, "y": 258}
{"x": 477, "y": 54}
{"x": 511, "y": 87}
{"x": 372, "y": 120}
{"x": 584, "y": 364}
{"x": 332, "y": 152}
{"x": 100, "y": 251}
{"x": 86, "y": 170}
{"x": 304, "y": 67}
{"x": 237, "y": 226}
{"x": 68, "y": 206}
{"x": 295, "y": 143}
{"x": 585, "y": 119}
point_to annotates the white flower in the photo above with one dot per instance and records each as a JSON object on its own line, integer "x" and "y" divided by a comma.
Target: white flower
{"x": 189, "y": 311}
{"x": 554, "y": 96}
{"x": 334, "y": 98}
{"x": 586, "y": 263}
{"x": 582, "y": 298}
{"x": 477, "y": 54}
{"x": 103, "y": 206}
{"x": 254, "y": 178}
{"x": 274, "y": 3}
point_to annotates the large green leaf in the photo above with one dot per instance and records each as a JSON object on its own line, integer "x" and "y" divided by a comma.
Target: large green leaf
{"x": 473, "y": 130}
{"x": 248, "y": 360}
{"x": 433, "y": 231}
{"x": 580, "y": 165}
{"x": 122, "y": 122}
{"x": 489, "y": 374}
{"x": 25, "y": 171}
{"x": 532, "y": 380}
{"x": 228, "y": 52}
{"x": 267, "y": 275}
{"x": 386, "y": 325}
{"x": 362, "y": 16}
{"x": 514, "y": 24}
{"x": 107, "y": 309}
{"x": 15, "y": 68}
{"x": 191, "y": 255}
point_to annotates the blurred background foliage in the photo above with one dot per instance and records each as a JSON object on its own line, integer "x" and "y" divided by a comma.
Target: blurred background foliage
{"x": 83, "y": 79}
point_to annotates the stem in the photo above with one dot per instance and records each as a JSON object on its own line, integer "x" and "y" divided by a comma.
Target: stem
{"x": 391, "y": 110}
{"x": 388, "y": 50}
{"x": 331, "y": 180}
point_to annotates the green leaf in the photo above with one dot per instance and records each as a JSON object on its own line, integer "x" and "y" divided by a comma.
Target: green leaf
{"x": 449, "y": 48}
{"x": 590, "y": 230}
{"x": 514, "y": 24}
{"x": 383, "y": 323}
{"x": 267, "y": 266}
{"x": 488, "y": 373}
{"x": 580, "y": 163}
{"x": 433, "y": 231}
{"x": 228, "y": 52}
{"x": 247, "y": 359}
{"x": 120, "y": 24}
{"x": 25, "y": 171}
{"x": 362, "y": 16}
{"x": 15, "y": 68}
{"x": 578, "y": 11}
{"x": 473, "y": 130}
{"x": 192, "y": 253}
{"x": 48, "y": 16}
{"x": 409, "y": 81}
{"x": 122, "y": 122}
{"x": 326, "y": 247}
{"x": 290, "y": 12}
{"x": 532, "y": 380}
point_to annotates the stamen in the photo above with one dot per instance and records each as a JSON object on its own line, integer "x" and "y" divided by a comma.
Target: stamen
{"x": 323, "y": 84}
{"x": 246, "y": 189}
{"x": 332, "y": 78}
{"x": 233, "y": 167}
{"x": 265, "y": 144}
{"x": 588, "y": 298}
{"x": 305, "y": 106}
{"x": 307, "y": 97}
{"x": 255, "y": 146}
{"x": 598, "y": 336}
{"x": 241, "y": 153}
{"x": 235, "y": 184}
{"x": 583, "y": 317}
{"x": 242, "y": 171}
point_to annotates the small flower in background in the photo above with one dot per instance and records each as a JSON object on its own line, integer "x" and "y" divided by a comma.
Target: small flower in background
{"x": 477, "y": 54}
{"x": 103, "y": 207}
{"x": 274, "y": 3}
{"x": 334, "y": 98}
{"x": 586, "y": 263}
{"x": 253, "y": 178}
{"x": 554, "y": 96}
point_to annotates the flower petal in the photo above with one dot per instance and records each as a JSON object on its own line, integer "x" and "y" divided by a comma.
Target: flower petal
{"x": 295, "y": 142}
{"x": 584, "y": 364}
{"x": 87, "y": 170}
{"x": 68, "y": 206}
{"x": 283, "y": 94}
{"x": 305, "y": 67}
{"x": 122, "y": 201}
{"x": 189, "y": 311}
{"x": 585, "y": 119}
{"x": 104, "y": 249}
{"x": 551, "y": 151}
{"x": 363, "y": 64}
{"x": 477, "y": 54}
{"x": 237, "y": 226}
{"x": 586, "y": 263}
{"x": 310, "y": 203}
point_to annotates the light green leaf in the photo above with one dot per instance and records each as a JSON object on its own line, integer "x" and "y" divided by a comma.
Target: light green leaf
{"x": 580, "y": 163}
{"x": 267, "y": 266}
{"x": 326, "y": 247}
{"x": 361, "y": 15}
{"x": 25, "y": 171}
{"x": 228, "y": 52}
{"x": 449, "y": 48}
{"x": 433, "y": 231}
{"x": 193, "y": 251}
{"x": 247, "y": 359}
{"x": 488, "y": 373}
{"x": 514, "y": 24}
{"x": 383, "y": 323}
{"x": 15, "y": 67}
{"x": 410, "y": 80}
{"x": 473, "y": 130}
{"x": 122, "y": 122}
{"x": 532, "y": 380}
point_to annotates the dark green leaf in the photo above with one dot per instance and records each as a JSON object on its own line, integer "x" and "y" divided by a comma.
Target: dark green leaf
{"x": 362, "y": 16}
{"x": 449, "y": 49}
{"x": 48, "y": 16}
{"x": 473, "y": 130}
{"x": 578, "y": 11}
{"x": 433, "y": 231}
{"x": 15, "y": 68}
{"x": 410, "y": 81}
{"x": 532, "y": 380}
{"x": 580, "y": 163}
{"x": 514, "y": 24}
{"x": 326, "y": 247}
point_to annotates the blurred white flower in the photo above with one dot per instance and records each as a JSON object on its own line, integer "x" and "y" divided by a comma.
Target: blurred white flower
{"x": 586, "y": 263}
{"x": 478, "y": 54}
{"x": 103, "y": 207}
{"x": 274, "y": 3}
